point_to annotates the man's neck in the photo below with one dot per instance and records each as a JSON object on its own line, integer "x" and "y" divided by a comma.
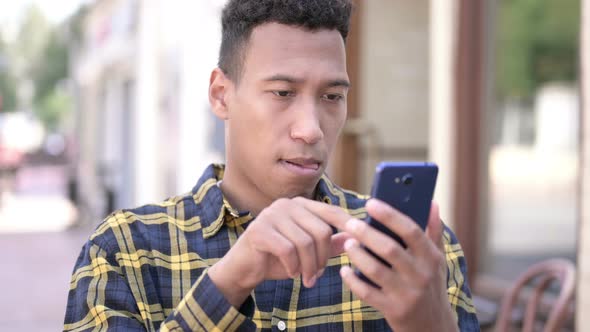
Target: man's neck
{"x": 245, "y": 196}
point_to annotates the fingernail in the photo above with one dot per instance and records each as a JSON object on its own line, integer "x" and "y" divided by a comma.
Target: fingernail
{"x": 344, "y": 271}
{"x": 349, "y": 244}
{"x": 376, "y": 205}
{"x": 353, "y": 225}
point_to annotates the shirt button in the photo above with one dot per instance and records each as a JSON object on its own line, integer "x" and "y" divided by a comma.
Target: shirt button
{"x": 281, "y": 325}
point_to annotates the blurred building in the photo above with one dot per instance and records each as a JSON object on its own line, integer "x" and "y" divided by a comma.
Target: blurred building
{"x": 141, "y": 78}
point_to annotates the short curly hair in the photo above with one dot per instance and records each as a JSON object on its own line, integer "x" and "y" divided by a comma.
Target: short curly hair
{"x": 240, "y": 17}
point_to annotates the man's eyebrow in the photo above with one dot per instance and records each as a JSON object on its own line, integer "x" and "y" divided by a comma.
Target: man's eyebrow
{"x": 289, "y": 79}
{"x": 284, "y": 78}
{"x": 336, "y": 83}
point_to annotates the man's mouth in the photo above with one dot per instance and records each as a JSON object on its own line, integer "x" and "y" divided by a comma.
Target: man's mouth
{"x": 306, "y": 163}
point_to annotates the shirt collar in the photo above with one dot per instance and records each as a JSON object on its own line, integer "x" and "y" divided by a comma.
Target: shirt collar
{"x": 209, "y": 200}
{"x": 328, "y": 192}
{"x": 214, "y": 209}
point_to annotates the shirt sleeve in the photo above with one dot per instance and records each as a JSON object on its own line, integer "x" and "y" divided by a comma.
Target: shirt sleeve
{"x": 100, "y": 298}
{"x": 457, "y": 284}
{"x": 204, "y": 308}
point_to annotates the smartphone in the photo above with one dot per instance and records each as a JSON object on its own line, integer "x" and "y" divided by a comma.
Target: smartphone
{"x": 409, "y": 188}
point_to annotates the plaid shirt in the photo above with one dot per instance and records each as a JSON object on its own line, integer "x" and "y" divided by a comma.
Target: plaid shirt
{"x": 146, "y": 269}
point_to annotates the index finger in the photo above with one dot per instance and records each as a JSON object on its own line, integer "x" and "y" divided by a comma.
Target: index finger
{"x": 331, "y": 214}
{"x": 435, "y": 227}
{"x": 399, "y": 223}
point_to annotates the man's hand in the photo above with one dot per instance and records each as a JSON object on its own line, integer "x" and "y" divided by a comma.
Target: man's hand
{"x": 413, "y": 294}
{"x": 291, "y": 237}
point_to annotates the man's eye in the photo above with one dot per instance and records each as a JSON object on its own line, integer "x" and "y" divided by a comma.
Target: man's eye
{"x": 333, "y": 97}
{"x": 283, "y": 93}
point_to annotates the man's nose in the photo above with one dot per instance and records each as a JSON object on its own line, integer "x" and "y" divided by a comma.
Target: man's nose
{"x": 306, "y": 124}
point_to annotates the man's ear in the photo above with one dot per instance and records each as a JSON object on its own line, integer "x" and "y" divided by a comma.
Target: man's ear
{"x": 219, "y": 86}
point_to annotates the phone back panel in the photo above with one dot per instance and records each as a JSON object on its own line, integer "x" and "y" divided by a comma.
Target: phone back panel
{"x": 408, "y": 187}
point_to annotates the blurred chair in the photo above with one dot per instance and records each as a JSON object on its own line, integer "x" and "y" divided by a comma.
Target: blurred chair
{"x": 561, "y": 270}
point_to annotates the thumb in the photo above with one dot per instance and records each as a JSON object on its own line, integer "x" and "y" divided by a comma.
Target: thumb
{"x": 434, "y": 229}
{"x": 337, "y": 243}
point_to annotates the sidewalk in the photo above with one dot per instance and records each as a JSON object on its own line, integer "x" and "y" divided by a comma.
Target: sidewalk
{"x": 38, "y": 249}
{"x": 34, "y": 283}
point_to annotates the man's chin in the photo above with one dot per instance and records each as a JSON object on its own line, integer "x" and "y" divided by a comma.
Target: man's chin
{"x": 303, "y": 188}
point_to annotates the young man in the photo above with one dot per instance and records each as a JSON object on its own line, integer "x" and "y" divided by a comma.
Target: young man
{"x": 254, "y": 245}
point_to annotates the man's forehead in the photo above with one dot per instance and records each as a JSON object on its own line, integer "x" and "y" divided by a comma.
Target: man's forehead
{"x": 283, "y": 33}
{"x": 336, "y": 81}
{"x": 279, "y": 49}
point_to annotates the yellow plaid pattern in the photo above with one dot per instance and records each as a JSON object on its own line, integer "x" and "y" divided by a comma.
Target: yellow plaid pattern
{"x": 146, "y": 270}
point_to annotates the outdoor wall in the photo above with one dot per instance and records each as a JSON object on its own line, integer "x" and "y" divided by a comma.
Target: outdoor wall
{"x": 105, "y": 72}
{"x": 201, "y": 138}
{"x": 146, "y": 153}
{"x": 394, "y": 98}
{"x": 87, "y": 149}
{"x": 145, "y": 128}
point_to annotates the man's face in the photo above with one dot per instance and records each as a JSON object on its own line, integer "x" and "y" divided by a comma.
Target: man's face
{"x": 285, "y": 114}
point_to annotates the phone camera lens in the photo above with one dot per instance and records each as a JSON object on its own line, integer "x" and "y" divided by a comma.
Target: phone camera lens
{"x": 407, "y": 179}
